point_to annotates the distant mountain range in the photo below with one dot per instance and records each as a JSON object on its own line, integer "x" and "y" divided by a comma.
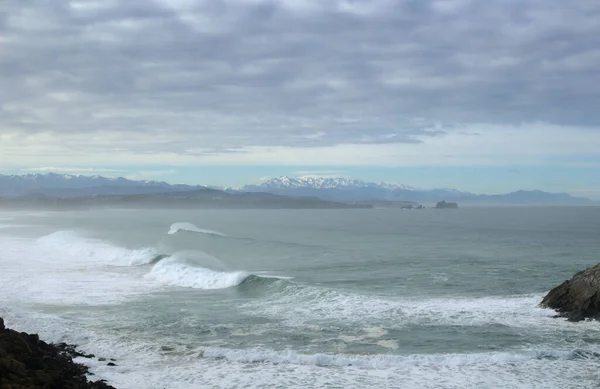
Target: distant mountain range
{"x": 344, "y": 189}
{"x": 193, "y": 199}
{"x": 63, "y": 191}
{"x": 65, "y": 186}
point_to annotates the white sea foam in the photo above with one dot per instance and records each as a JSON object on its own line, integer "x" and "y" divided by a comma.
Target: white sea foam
{"x": 172, "y": 271}
{"x": 49, "y": 270}
{"x": 391, "y": 344}
{"x": 375, "y": 332}
{"x": 382, "y": 361}
{"x": 88, "y": 250}
{"x": 67, "y": 268}
{"x": 269, "y": 274}
{"x": 299, "y": 306}
{"x": 139, "y": 360}
{"x": 184, "y": 226}
{"x": 222, "y": 373}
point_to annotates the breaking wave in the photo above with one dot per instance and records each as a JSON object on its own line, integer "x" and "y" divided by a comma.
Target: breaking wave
{"x": 83, "y": 249}
{"x": 157, "y": 258}
{"x": 189, "y": 227}
{"x": 175, "y": 271}
{"x": 383, "y": 361}
{"x": 201, "y": 271}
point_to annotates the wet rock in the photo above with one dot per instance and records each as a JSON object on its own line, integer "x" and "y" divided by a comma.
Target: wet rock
{"x": 28, "y": 362}
{"x": 71, "y": 349}
{"x": 578, "y": 298}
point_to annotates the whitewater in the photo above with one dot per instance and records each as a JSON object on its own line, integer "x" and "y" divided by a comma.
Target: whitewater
{"x": 306, "y": 299}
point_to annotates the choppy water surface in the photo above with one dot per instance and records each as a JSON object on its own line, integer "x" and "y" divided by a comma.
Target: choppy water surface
{"x": 329, "y": 298}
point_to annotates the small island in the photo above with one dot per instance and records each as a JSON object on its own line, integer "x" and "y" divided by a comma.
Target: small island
{"x": 445, "y": 205}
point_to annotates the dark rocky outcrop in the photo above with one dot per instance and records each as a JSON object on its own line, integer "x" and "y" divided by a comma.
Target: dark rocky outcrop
{"x": 577, "y": 298}
{"x": 445, "y": 205}
{"x": 28, "y": 362}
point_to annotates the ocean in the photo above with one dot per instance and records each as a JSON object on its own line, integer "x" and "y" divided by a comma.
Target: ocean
{"x": 364, "y": 298}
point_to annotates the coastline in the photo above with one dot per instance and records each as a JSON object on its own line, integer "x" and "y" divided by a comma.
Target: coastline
{"x": 28, "y": 362}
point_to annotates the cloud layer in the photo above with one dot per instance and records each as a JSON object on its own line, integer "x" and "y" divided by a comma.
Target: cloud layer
{"x": 192, "y": 79}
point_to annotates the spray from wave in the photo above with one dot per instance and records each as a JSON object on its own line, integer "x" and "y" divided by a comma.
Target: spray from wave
{"x": 66, "y": 267}
{"x": 189, "y": 227}
{"x": 70, "y": 244}
{"x": 199, "y": 270}
{"x": 191, "y": 269}
{"x": 176, "y": 272}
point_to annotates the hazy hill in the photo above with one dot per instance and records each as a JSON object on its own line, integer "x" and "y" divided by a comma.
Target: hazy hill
{"x": 67, "y": 185}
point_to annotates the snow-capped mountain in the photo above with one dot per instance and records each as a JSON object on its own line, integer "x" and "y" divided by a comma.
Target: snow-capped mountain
{"x": 326, "y": 183}
{"x": 347, "y": 189}
{"x": 334, "y": 189}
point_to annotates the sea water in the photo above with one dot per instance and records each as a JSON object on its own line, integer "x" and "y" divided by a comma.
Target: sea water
{"x": 378, "y": 298}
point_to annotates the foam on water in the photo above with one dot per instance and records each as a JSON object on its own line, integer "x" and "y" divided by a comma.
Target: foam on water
{"x": 172, "y": 271}
{"x": 224, "y": 374}
{"x": 385, "y": 361}
{"x": 300, "y": 305}
{"x": 391, "y": 344}
{"x": 189, "y": 227}
{"x": 88, "y": 250}
{"x": 139, "y": 361}
{"x": 68, "y": 268}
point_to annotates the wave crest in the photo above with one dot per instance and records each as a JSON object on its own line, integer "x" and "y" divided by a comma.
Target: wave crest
{"x": 84, "y": 249}
{"x": 172, "y": 271}
{"x": 189, "y": 227}
{"x": 200, "y": 270}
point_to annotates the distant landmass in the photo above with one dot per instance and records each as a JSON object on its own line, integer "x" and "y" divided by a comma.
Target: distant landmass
{"x": 281, "y": 192}
{"x": 344, "y": 189}
{"x": 207, "y": 198}
{"x": 58, "y": 191}
{"x": 445, "y": 205}
{"x": 67, "y": 185}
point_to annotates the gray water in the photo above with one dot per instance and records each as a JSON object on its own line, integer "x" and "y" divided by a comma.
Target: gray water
{"x": 327, "y": 298}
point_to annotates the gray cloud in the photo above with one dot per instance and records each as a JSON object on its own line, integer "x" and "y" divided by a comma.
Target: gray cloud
{"x": 204, "y": 76}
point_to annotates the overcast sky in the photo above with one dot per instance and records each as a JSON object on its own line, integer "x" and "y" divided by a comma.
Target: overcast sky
{"x": 411, "y": 91}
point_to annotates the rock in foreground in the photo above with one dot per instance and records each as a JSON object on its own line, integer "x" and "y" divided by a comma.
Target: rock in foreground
{"x": 28, "y": 362}
{"x": 577, "y": 298}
